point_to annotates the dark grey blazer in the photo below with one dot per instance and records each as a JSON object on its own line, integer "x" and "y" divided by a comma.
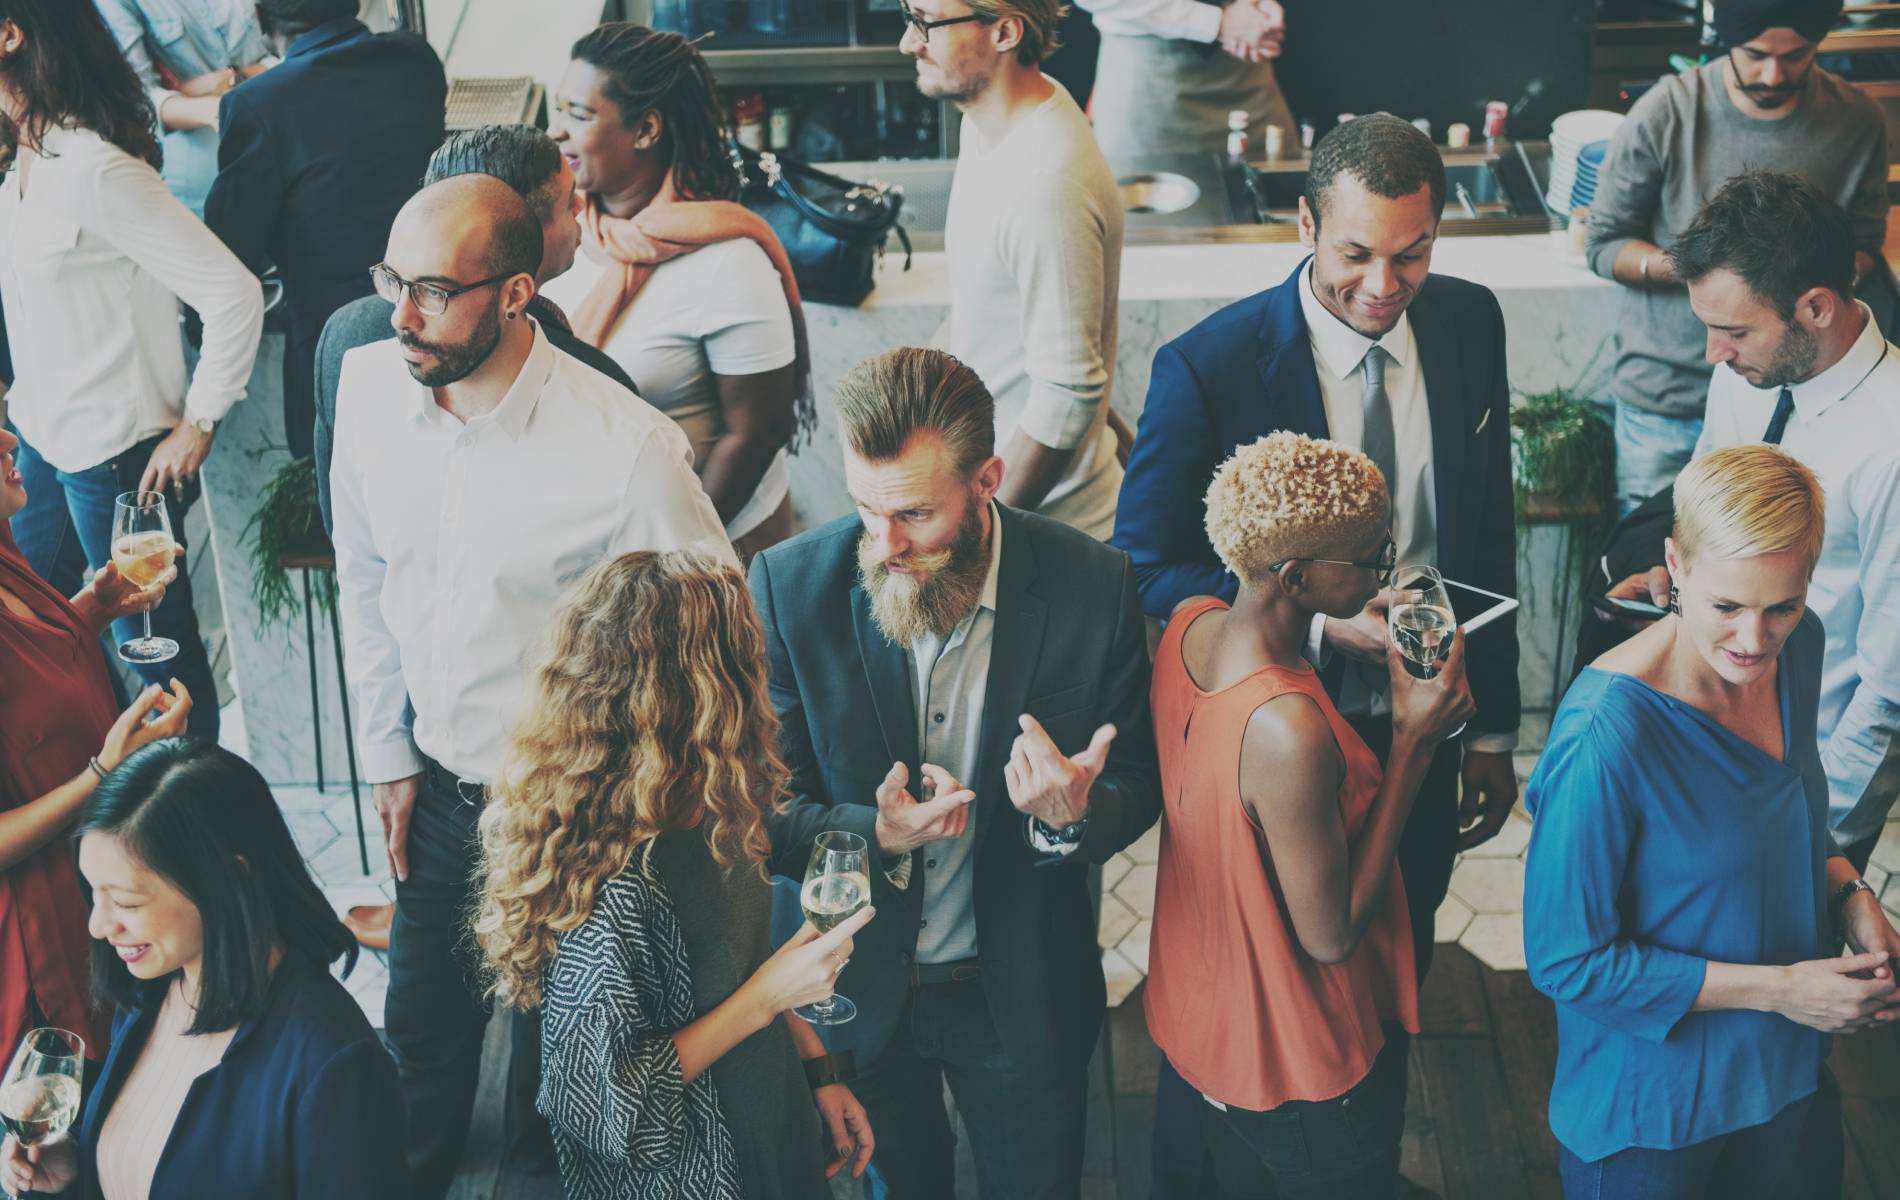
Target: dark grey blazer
{"x": 1069, "y": 648}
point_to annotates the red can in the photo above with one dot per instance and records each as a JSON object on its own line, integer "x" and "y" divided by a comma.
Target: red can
{"x": 1495, "y": 114}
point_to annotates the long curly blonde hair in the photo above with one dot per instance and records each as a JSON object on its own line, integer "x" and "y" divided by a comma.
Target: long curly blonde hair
{"x": 650, "y": 713}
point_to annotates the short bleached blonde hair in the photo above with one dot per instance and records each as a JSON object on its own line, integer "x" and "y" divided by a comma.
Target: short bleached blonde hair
{"x": 1746, "y": 501}
{"x": 1292, "y": 496}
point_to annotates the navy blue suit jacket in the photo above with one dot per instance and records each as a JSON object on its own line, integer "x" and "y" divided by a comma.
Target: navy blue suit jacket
{"x": 304, "y": 1106}
{"x": 1247, "y": 371}
{"x": 315, "y": 157}
{"x": 1069, "y": 647}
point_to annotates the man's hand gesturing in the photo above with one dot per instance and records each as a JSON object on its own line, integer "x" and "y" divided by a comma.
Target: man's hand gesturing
{"x": 903, "y": 824}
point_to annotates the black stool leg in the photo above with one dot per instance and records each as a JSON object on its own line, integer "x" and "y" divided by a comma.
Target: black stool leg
{"x": 310, "y": 653}
{"x": 349, "y": 733}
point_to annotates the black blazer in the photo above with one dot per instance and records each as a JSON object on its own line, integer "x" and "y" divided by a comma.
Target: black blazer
{"x": 1069, "y": 648}
{"x": 1247, "y": 371}
{"x": 315, "y": 157}
{"x": 305, "y": 1104}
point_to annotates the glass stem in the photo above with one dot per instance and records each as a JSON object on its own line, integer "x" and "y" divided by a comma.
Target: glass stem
{"x": 147, "y": 614}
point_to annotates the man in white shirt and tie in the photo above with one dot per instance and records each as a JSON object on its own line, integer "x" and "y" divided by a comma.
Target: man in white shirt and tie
{"x": 477, "y": 471}
{"x": 1770, "y": 267}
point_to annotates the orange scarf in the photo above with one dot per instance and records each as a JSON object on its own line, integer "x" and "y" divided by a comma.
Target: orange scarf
{"x": 665, "y": 229}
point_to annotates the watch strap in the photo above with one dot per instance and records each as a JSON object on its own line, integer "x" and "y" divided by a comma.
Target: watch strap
{"x": 827, "y": 1069}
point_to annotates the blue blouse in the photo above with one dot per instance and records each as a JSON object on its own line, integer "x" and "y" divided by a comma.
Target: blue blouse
{"x": 1661, "y": 841}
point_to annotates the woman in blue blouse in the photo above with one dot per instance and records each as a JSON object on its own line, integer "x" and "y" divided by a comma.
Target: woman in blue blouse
{"x": 1683, "y": 900}
{"x": 239, "y": 1067}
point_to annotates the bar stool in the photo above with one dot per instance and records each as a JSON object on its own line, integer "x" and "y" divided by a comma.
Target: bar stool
{"x": 314, "y": 554}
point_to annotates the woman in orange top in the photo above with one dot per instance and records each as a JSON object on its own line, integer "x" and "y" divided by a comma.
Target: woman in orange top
{"x": 1281, "y": 980}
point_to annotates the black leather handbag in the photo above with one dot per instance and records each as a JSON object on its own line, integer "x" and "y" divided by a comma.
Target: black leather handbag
{"x": 833, "y": 229}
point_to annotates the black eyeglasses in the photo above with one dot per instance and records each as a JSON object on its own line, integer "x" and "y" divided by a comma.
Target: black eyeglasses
{"x": 1383, "y": 566}
{"x": 430, "y": 299}
{"x": 924, "y": 27}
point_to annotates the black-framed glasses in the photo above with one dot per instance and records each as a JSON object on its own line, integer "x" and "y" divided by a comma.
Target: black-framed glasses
{"x": 923, "y": 27}
{"x": 1382, "y": 566}
{"x": 430, "y": 299}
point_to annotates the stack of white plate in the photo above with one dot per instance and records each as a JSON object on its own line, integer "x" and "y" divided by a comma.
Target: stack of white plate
{"x": 1571, "y": 178}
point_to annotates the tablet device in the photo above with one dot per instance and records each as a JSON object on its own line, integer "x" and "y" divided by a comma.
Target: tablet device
{"x": 1473, "y": 606}
{"x": 1639, "y": 608}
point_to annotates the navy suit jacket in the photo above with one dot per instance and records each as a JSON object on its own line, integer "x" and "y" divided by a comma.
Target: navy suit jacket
{"x": 1247, "y": 371}
{"x": 1069, "y": 647}
{"x": 315, "y": 157}
{"x": 305, "y": 1103}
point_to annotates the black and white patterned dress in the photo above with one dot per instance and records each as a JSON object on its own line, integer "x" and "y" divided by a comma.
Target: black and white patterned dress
{"x": 625, "y": 1126}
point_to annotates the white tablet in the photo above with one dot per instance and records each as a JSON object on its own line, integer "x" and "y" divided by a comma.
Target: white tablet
{"x": 1474, "y": 607}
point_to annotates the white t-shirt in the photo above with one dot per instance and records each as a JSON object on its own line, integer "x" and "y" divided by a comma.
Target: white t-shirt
{"x": 719, "y": 310}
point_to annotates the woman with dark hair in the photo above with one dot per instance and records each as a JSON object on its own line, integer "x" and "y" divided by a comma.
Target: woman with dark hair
{"x": 240, "y": 1067}
{"x": 686, "y": 289}
{"x": 625, "y": 893}
{"x": 58, "y": 738}
{"x": 95, "y": 255}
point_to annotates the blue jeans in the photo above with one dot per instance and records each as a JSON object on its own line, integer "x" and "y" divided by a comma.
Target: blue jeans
{"x": 1793, "y": 1155}
{"x": 72, "y": 510}
{"x": 1651, "y": 449}
{"x": 1346, "y": 1148}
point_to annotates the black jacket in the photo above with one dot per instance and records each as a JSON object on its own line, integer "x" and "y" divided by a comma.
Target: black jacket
{"x": 1069, "y": 647}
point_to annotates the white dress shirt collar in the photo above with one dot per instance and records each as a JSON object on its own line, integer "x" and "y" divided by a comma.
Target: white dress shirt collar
{"x": 1812, "y": 397}
{"x": 1338, "y": 348}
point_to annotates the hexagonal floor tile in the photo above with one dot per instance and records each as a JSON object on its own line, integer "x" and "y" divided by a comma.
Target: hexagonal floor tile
{"x": 1497, "y": 940}
{"x": 1114, "y": 869}
{"x": 1117, "y": 920}
{"x": 340, "y": 863}
{"x": 1122, "y": 976}
{"x": 1887, "y": 851}
{"x": 1489, "y": 885}
{"x": 1451, "y": 919}
{"x": 1134, "y": 947}
{"x": 1137, "y": 890}
{"x": 1147, "y": 847}
{"x": 1513, "y": 837}
{"x": 1890, "y": 895}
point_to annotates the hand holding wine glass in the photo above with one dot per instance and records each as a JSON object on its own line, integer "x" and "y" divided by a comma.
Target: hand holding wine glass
{"x": 1430, "y": 709}
{"x": 39, "y": 1100}
{"x": 143, "y": 550}
{"x": 837, "y": 885}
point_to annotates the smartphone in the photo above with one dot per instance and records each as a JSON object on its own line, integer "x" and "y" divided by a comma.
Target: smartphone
{"x": 1473, "y": 606}
{"x": 1640, "y": 608}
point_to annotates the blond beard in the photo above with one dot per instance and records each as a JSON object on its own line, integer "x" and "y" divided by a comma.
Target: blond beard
{"x": 907, "y": 611}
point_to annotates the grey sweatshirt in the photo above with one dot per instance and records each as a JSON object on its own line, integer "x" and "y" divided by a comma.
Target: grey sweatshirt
{"x": 1682, "y": 141}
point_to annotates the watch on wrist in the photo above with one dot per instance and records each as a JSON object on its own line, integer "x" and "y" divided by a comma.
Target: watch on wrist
{"x": 203, "y": 425}
{"x": 1068, "y": 835}
{"x": 827, "y": 1069}
{"x": 1837, "y": 904}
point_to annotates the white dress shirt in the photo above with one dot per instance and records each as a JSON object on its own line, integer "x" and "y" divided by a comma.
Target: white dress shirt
{"x": 95, "y": 255}
{"x": 455, "y": 543}
{"x": 1338, "y": 352}
{"x": 1845, "y": 427}
{"x": 1187, "y": 20}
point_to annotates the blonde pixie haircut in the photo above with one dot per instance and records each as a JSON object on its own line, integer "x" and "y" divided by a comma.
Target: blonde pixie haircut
{"x": 1292, "y": 496}
{"x": 1746, "y": 501}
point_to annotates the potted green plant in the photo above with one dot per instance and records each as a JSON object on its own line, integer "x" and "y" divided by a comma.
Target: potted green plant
{"x": 285, "y": 532}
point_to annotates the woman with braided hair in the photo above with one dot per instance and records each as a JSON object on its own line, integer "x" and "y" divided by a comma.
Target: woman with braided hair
{"x": 684, "y": 287}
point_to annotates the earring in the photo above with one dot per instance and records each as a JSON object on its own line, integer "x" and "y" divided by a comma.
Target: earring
{"x": 1675, "y": 600}
{"x": 512, "y": 316}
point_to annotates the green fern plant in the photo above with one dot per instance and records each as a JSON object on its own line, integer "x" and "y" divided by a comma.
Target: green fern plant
{"x": 287, "y": 519}
{"x": 1563, "y": 469}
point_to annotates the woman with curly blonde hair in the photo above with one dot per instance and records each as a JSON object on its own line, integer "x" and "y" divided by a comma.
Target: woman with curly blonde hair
{"x": 1281, "y": 982}
{"x": 623, "y": 891}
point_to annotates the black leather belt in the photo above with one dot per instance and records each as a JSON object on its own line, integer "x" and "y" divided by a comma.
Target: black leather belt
{"x": 443, "y": 779}
{"x": 964, "y": 970}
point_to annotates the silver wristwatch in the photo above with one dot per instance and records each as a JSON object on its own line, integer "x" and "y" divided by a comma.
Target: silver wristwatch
{"x": 1837, "y": 903}
{"x": 202, "y": 424}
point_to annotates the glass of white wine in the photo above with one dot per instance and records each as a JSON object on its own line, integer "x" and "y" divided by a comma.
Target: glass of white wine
{"x": 1422, "y": 622}
{"x": 142, "y": 548}
{"x": 837, "y": 884}
{"x": 39, "y": 1098}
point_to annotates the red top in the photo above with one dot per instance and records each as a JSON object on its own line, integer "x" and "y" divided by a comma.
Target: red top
{"x": 1242, "y": 1011}
{"x": 55, "y": 708}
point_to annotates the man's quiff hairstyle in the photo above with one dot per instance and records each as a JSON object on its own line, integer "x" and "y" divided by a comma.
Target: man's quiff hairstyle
{"x": 1040, "y": 19}
{"x": 1778, "y": 232}
{"x": 1392, "y": 158}
{"x": 1292, "y": 496}
{"x": 883, "y": 401}
{"x": 1746, "y": 501}
{"x": 521, "y": 156}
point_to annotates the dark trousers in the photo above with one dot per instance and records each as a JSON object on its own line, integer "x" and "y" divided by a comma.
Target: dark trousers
{"x": 1430, "y": 841}
{"x": 1346, "y": 1148}
{"x": 436, "y": 1012}
{"x": 1026, "y": 1128}
{"x": 67, "y": 521}
{"x": 1776, "y": 1160}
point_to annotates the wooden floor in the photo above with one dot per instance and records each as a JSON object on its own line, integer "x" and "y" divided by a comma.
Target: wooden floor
{"x": 1475, "y": 1123}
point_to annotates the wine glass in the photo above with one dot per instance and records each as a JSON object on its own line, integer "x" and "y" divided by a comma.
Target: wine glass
{"x": 837, "y": 884}
{"x": 142, "y": 548}
{"x": 40, "y": 1096}
{"x": 1422, "y": 623}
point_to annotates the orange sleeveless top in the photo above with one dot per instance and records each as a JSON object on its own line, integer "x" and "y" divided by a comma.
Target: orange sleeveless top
{"x": 1241, "y": 1010}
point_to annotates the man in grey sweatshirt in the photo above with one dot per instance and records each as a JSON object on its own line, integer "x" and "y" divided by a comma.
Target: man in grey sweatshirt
{"x": 1762, "y": 104}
